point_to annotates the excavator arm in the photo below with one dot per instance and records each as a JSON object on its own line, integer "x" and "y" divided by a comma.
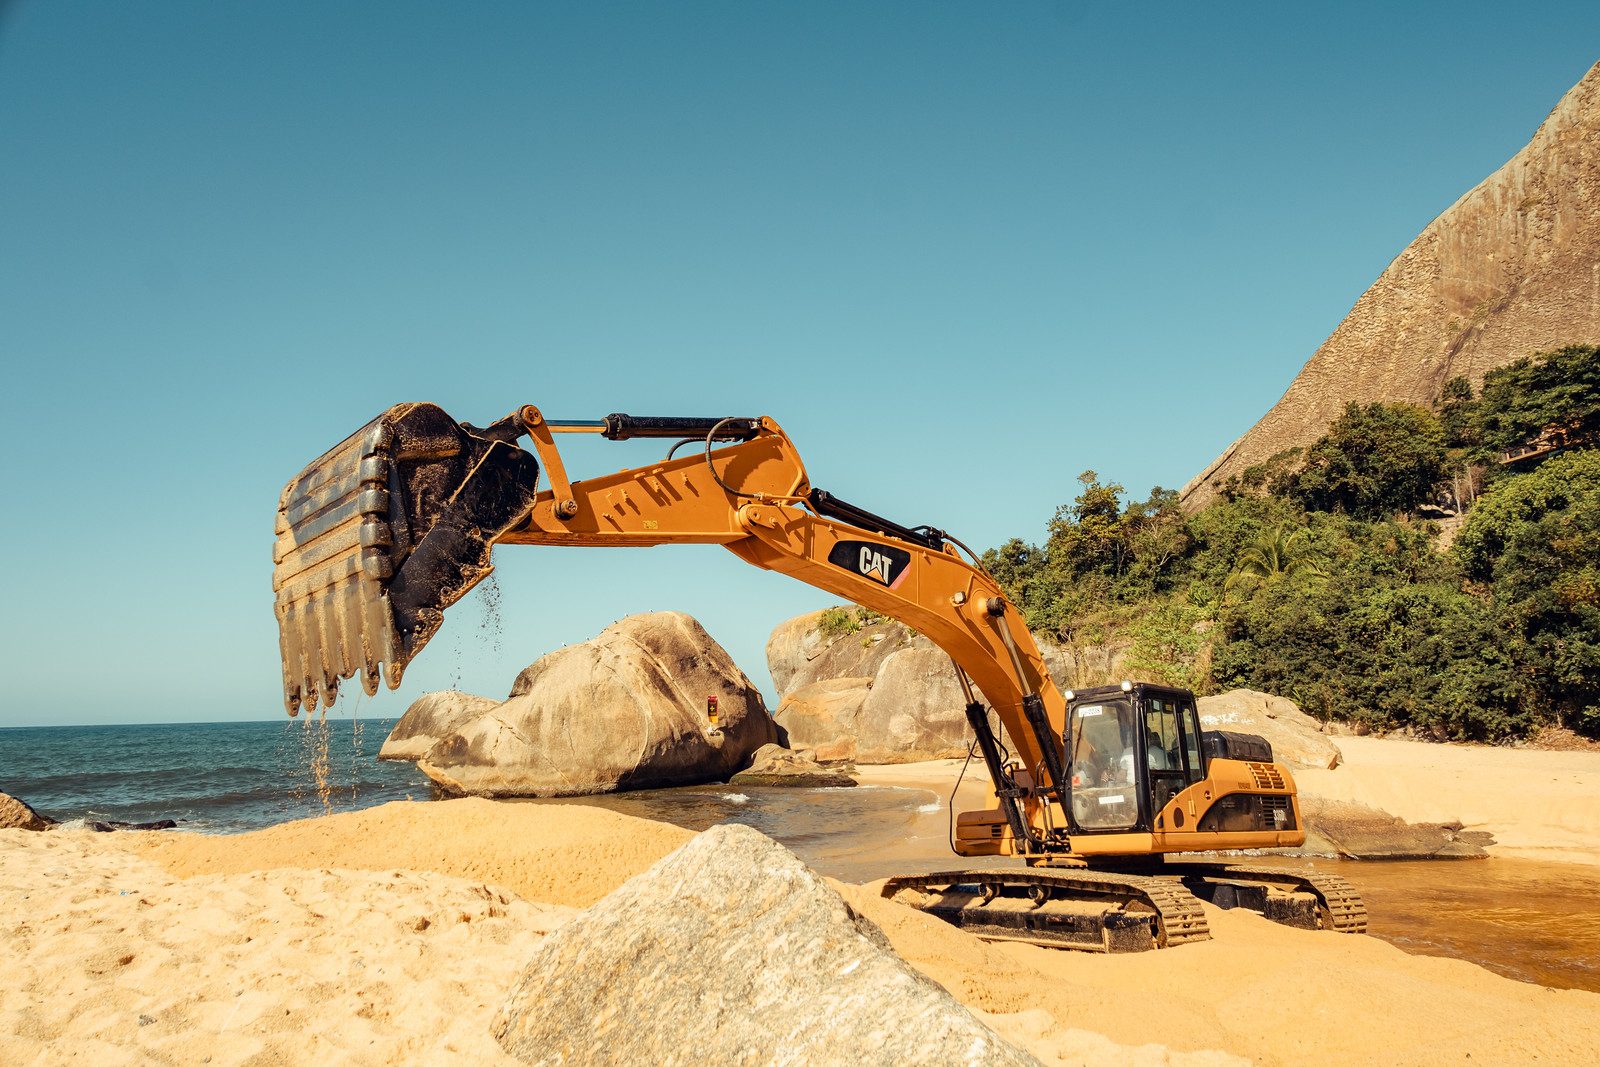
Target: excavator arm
{"x": 378, "y": 537}
{"x": 387, "y": 530}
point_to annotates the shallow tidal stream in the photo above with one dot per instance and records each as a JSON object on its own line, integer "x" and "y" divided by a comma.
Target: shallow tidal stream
{"x": 1528, "y": 920}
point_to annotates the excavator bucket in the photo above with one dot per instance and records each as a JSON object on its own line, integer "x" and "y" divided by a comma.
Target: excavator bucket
{"x": 383, "y": 533}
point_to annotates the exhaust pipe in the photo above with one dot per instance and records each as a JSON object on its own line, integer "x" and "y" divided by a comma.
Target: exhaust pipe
{"x": 383, "y": 533}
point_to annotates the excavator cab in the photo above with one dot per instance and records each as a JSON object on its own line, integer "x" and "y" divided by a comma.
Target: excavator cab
{"x": 1130, "y": 749}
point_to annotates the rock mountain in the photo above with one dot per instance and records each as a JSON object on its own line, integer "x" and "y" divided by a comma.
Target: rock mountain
{"x": 1510, "y": 269}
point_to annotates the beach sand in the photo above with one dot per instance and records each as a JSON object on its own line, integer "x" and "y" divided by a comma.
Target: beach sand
{"x": 542, "y": 853}
{"x": 1272, "y": 994}
{"x": 1539, "y": 804}
{"x": 390, "y": 935}
{"x": 110, "y": 959}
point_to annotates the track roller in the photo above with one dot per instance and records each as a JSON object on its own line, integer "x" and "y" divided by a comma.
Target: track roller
{"x": 1304, "y": 899}
{"x": 1086, "y": 910}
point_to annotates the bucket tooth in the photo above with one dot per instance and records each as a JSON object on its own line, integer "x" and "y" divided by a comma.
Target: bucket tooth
{"x": 379, "y": 536}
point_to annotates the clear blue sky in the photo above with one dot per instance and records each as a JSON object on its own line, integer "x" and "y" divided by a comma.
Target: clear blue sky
{"x": 961, "y": 251}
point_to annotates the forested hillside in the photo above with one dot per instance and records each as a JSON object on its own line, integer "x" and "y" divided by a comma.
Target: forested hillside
{"x": 1328, "y": 574}
{"x": 1508, "y": 268}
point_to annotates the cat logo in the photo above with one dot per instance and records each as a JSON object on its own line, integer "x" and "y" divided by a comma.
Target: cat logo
{"x": 884, "y": 564}
{"x": 874, "y": 564}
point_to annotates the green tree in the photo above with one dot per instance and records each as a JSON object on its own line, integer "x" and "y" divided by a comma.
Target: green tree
{"x": 1280, "y": 552}
{"x": 1170, "y": 643}
{"x": 1374, "y": 461}
{"x": 1553, "y": 389}
{"x": 1383, "y": 639}
{"x": 1158, "y": 540}
{"x": 1087, "y": 536}
{"x": 1534, "y": 540}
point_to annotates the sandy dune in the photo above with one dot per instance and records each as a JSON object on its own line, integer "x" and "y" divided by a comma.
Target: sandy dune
{"x": 389, "y": 936}
{"x": 564, "y": 855}
{"x": 111, "y": 960}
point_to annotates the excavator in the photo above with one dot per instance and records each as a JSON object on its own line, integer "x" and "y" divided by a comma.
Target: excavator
{"x": 1099, "y": 792}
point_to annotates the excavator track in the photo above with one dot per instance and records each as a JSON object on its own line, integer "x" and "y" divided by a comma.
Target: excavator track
{"x": 1092, "y": 911}
{"x": 1306, "y": 899}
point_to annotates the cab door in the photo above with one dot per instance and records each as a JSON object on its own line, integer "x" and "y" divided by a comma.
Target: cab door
{"x": 1171, "y": 749}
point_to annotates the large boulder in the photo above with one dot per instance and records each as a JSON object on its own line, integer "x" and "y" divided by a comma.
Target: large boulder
{"x": 730, "y": 950}
{"x": 430, "y": 719}
{"x": 15, "y": 814}
{"x": 626, "y": 710}
{"x": 805, "y": 650}
{"x": 1296, "y": 738}
{"x": 912, "y": 710}
{"x": 823, "y": 718}
{"x": 915, "y": 710}
{"x": 779, "y": 766}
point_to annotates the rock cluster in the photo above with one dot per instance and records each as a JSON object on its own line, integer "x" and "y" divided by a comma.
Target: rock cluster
{"x": 1296, "y": 738}
{"x": 881, "y": 693}
{"x": 776, "y": 765}
{"x": 15, "y": 814}
{"x": 730, "y": 950}
{"x": 626, "y": 710}
{"x": 1507, "y": 271}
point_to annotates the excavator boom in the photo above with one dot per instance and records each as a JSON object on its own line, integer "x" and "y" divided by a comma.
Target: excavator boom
{"x": 384, "y": 532}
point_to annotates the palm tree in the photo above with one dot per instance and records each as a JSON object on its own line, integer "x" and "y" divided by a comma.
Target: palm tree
{"x": 1279, "y": 552}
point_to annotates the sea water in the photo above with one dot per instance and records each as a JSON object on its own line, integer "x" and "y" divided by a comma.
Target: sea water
{"x": 215, "y": 777}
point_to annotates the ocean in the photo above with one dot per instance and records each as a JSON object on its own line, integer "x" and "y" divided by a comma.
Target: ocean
{"x": 215, "y": 777}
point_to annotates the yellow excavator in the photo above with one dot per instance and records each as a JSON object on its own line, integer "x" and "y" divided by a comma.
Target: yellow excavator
{"x": 1094, "y": 790}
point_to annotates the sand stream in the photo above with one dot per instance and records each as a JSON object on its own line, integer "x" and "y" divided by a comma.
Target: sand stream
{"x": 1528, "y": 920}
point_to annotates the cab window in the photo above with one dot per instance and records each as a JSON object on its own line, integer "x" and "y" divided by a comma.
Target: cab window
{"x": 1163, "y": 748}
{"x": 1191, "y": 740}
{"x": 1103, "y": 754}
{"x": 1164, "y": 751}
